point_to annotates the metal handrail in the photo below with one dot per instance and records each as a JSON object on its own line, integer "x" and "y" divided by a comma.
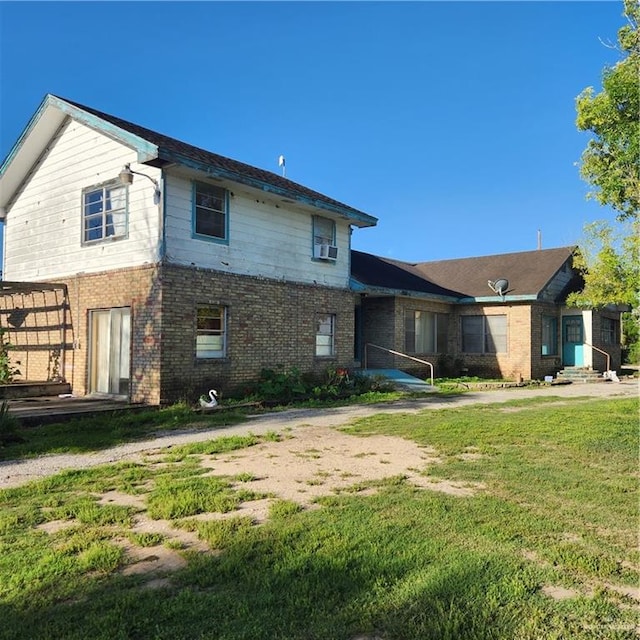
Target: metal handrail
{"x": 396, "y": 353}
{"x": 604, "y": 353}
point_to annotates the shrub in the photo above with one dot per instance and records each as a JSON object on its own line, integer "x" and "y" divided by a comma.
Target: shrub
{"x": 8, "y": 426}
{"x": 8, "y": 371}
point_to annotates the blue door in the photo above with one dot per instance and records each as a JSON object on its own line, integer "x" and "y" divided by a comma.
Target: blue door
{"x": 572, "y": 341}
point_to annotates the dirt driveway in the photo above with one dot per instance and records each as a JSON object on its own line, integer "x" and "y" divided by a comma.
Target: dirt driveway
{"x": 310, "y": 429}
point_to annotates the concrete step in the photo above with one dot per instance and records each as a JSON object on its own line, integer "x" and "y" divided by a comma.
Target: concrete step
{"x": 580, "y": 374}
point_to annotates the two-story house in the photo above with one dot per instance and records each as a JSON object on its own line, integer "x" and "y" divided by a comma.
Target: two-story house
{"x": 136, "y": 264}
{"x": 141, "y": 266}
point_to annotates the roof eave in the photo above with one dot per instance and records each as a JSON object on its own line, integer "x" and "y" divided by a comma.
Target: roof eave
{"x": 497, "y": 299}
{"x": 42, "y": 126}
{"x": 359, "y": 287}
{"x": 355, "y": 217}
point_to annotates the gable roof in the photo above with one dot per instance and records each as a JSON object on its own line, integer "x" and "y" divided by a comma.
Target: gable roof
{"x": 465, "y": 279}
{"x": 155, "y": 149}
{"x": 528, "y": 272}
{"x": 392, "y": 277}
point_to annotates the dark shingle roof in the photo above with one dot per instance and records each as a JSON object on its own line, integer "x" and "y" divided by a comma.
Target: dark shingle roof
{"x": 377, "y": 272}
{"x": 170, "y": 148}
{"x": 528, "y": 272}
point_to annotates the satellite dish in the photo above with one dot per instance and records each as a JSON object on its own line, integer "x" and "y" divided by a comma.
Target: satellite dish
{"x": 499, "y": 286}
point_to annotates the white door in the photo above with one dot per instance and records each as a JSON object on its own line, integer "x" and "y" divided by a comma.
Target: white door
{"x": 109, "y": 355}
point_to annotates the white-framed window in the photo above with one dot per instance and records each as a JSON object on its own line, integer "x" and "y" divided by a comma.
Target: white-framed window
{"x": 484, "y": 334}
{"x": 325, "y": 334}
{"x": 549, "y": 336}
{"x": 104, "y": 212}
{"x": 324, "y": 232}
{"x": 609, "y": 331}
{"x": 210, "y": 212}
{"x": 211, "y": 332}
{"x": 425, "y": 331}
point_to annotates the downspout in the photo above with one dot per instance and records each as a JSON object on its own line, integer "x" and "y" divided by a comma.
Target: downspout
{"x": 162, "y": 213}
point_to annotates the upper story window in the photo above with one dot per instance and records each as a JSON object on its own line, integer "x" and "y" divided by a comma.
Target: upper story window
{"x": 104, "y": 212}
{"x": 484, "y": 334}
{"x": 425, "y": 331}
{"x": 210, "y": 211}
{"x": 324, "y": 238}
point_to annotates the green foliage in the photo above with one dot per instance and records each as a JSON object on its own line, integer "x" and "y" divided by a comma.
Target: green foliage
{"x": 611, "y": 161}
{"x": 173, "y": 499}
{"x": 146, "y": 539}
{"x": 8, "y": 370}
{"x": 283, "y": 387}
{"x": 8, "y": 426}
{"x": 220, "y": 533}
{"x": 609, "y": 260}
{"x": 283, "y": 509}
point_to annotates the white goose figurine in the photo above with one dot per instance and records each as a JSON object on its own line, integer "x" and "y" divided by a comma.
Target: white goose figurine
{"x": 209, "y": 404}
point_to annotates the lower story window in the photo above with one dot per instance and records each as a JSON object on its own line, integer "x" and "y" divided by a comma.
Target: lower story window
{"x": 325, "y": 334}
{"x": 609, "y": 331}
{"x": 484, "y": 334}
{"x": 425, "y": 332}
{"x": 211, "y": 332}
{"x": 549, "y": 336}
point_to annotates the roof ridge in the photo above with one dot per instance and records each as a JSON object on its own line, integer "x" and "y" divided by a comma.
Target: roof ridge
{"x": 175, "y": 149}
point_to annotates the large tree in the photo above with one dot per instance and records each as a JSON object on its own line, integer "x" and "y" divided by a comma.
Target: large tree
{"x": 609, "y": 259}
{"x": 611, "y": 161}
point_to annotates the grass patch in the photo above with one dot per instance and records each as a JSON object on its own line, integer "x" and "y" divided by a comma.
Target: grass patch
{"x": 93, "y": 433}
{"x": 559, "y": 508}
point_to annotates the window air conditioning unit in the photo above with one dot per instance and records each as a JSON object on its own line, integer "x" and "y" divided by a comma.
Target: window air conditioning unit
{"x": 326, "y": 252}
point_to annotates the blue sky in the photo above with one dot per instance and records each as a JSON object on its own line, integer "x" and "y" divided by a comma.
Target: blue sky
{"x": 452, "y": 122}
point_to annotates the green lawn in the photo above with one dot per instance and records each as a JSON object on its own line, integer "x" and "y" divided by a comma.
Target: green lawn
{"x": 546, "y": 550}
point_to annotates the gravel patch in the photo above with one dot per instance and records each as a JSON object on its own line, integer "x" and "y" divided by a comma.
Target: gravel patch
{"x": 18, "y": 472}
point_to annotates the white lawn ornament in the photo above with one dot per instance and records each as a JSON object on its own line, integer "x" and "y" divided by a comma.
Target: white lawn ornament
{"x": 209, "y": 404}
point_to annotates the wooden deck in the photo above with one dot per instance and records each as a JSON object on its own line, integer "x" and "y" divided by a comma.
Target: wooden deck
{"x": 47, "y": 409}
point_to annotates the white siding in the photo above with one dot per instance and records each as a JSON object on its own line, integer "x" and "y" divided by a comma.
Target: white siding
{"x": 44, "y": 224}
{"x": 267, "y": 238}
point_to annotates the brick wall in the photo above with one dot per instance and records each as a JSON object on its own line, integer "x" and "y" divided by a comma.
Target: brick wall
{"x": 379, "y": 327}
{"x": 270, "y": 324}
{"x": 614, "y": 350}
{"x": 544, "y": 365}
{"x": 384, "y": 325}
{"x": 513, "y": 364}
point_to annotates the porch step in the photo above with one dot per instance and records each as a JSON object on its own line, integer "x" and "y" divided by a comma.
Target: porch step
{"x": 401, "y": 380}
{"x": 33, "y": 389}
{"x": 580, "y": 374}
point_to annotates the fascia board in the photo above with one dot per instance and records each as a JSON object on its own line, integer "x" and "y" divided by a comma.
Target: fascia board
{"x": 146, "y": 150}
{"x": 498, "y": 299}
{"x": 357, "y": 286}
{"x": 42, "y": 126}
{"x": 354, "y": 217}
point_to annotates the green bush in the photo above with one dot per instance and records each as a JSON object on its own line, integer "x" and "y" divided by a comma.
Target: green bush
{"x": 8, "y": 426}
{"x": 8, "y": 371}
{"x": 286, "y": 386}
